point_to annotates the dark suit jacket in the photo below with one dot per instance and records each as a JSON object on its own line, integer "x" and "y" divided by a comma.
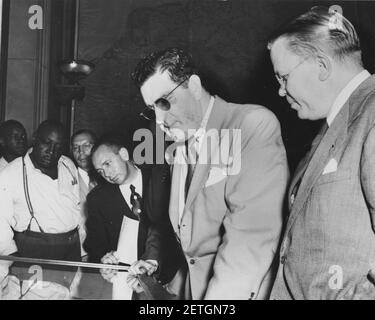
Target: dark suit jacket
{"x": 156, "y": 240}
{"x": 329, "y": 242}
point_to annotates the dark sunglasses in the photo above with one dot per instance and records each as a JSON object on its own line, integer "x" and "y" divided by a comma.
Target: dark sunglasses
{"x": 161, "y": 103}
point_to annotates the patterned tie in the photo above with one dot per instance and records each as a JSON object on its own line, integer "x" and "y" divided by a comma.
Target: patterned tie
{"x": 135, "y": 201}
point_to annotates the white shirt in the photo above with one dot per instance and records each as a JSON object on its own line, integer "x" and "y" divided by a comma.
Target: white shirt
{"x": 127, "y": 246}
{"x": 85, "y": 176}
{"x": 3, "y": 163}
{"x": 55, "y": 202}
{"x": 345, "y": 94}
{"x": 182, "y": 158}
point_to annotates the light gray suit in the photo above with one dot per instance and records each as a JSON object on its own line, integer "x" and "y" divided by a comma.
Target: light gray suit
{"x": 329, "y": 241}
{"x": 231, "y": 225}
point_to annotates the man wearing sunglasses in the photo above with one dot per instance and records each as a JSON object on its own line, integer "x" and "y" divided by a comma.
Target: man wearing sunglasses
{"x": 227, "y": 222}
{"x": 329, "y": 242}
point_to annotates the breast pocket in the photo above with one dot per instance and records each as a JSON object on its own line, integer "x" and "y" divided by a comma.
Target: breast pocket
{"x": 332, "y": 177}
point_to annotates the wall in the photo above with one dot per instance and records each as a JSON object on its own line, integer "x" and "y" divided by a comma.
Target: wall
{"x": 227, "y": 38}
{"x": 22, "y": 66}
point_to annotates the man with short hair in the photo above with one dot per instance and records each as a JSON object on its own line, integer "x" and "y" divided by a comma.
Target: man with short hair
{"x": 228, "y": 183}
{"x": 82, "y": 142}
{"x": 128, "y": 216}
{"x": 13, "y": 142}
{"x": 329, "y": 242}
{"x": 39, "y": 199}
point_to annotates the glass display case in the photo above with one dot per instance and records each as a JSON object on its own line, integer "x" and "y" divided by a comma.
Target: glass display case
{"x": 33, "y": 279}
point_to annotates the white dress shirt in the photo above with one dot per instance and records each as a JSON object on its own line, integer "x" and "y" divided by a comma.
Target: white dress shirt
{"x": 181, "y": 158}
{"x": 345, "y": 94}
{"x": 85, "y": 176}
{"x": 127, "y": 246}
{"x": 3, "y": 163}
{"x": 55, "y": 202}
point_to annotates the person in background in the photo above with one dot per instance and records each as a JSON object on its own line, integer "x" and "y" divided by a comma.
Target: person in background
{"x": 227, "y": 212}
{"x": 128, "y": 216}
{"x": 39, "y": 196}
{"x": 329, "y": 242}
{"x": 82, "y": 142}
{"x": 13, "y": 142}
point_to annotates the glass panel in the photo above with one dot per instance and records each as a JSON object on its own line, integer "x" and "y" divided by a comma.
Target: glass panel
{"x": 23, "y": 280}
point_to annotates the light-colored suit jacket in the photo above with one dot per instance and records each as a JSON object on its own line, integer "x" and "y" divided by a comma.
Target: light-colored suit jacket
{"x": 329, "y": 242}
{"x": 232, "y": 219}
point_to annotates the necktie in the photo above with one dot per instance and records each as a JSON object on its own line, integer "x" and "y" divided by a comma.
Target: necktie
{"x": 136, "y": 202}
{"x": 191, "y": 162}
{"x": 315, "y": 144}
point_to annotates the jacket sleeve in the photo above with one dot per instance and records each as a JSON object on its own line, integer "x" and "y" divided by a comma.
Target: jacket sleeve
{"x": 97, "y": 241}
{"x": 368, "y": 173}
{"x": 161, "y": 244}
{"x": 253, "y": 221}
{"x": 7, "y": 244}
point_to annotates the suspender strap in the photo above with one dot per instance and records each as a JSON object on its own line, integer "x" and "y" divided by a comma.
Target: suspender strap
{"x": 27, "y": 196}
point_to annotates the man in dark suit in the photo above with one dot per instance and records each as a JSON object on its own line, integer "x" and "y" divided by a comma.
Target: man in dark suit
{"x": 329, "y": 242}
{"x": 128, "y": 216}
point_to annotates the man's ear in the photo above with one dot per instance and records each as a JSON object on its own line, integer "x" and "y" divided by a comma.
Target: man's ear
{"x": 195, "y": 86}
{"x": 124, "y": 154}
{"x": 325, "y": 67}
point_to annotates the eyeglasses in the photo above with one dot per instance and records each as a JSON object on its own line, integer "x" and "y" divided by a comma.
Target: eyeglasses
{"x": 283, "y": 79}
{"x": 162, "y": 103}
{"x": 86, "y": 147}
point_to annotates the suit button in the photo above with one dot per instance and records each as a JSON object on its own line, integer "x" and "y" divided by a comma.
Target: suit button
{"x": 192, "y": 261}
{"x": 282, "y": 259}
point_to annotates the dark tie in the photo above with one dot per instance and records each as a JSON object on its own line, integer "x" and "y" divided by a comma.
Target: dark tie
{"x": 191, "y": 162}
{"x": 136, "y": 202}
{"x": 314, "y": 146}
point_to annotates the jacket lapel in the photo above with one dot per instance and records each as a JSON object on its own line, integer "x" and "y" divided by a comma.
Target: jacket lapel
{"x": 203, "y": 166}
{"x": 321, "y": 153}
{"x": 335, "y": 136}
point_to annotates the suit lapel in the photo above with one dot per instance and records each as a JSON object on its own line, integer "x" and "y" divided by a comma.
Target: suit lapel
{"x": 301, "y": 168}
{"x": 321, "y": 153}
{"x": 335, "y": 136}
{"x": 203, "y": 166}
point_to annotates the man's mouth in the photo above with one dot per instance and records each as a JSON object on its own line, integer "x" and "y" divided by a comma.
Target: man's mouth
{"x": 113, "y": 180}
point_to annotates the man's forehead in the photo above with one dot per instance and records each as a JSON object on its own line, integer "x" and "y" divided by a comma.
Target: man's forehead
{"x": 51, "y": 134}
{"x": 281, "y": 55}
{"x": 82, "y": 138}
{"x": 15, "y": 129}
{"x": 158, "y": 84}
{"x": 103, "y": 153}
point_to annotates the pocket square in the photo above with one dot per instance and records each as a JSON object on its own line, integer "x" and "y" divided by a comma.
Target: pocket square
{"x": 216, "y": 175}
{"x": 330, "y": 167}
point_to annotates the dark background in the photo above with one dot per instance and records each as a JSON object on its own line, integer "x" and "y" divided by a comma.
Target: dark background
{"x": 227, "y": 38}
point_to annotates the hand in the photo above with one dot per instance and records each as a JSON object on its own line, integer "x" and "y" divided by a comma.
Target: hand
{"x": 109, "y": 258}
{"x": 137, "y": 268}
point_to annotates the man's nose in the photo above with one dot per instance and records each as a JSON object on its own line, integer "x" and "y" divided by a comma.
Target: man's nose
{"x": 106, "y": 173}
{"x": 160, "y": 115}
{"x": 51, "y": 149}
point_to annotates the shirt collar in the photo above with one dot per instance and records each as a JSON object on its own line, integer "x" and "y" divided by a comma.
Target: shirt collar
{"x": 202, "y": 128}
{"x": 345, "y": 94}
